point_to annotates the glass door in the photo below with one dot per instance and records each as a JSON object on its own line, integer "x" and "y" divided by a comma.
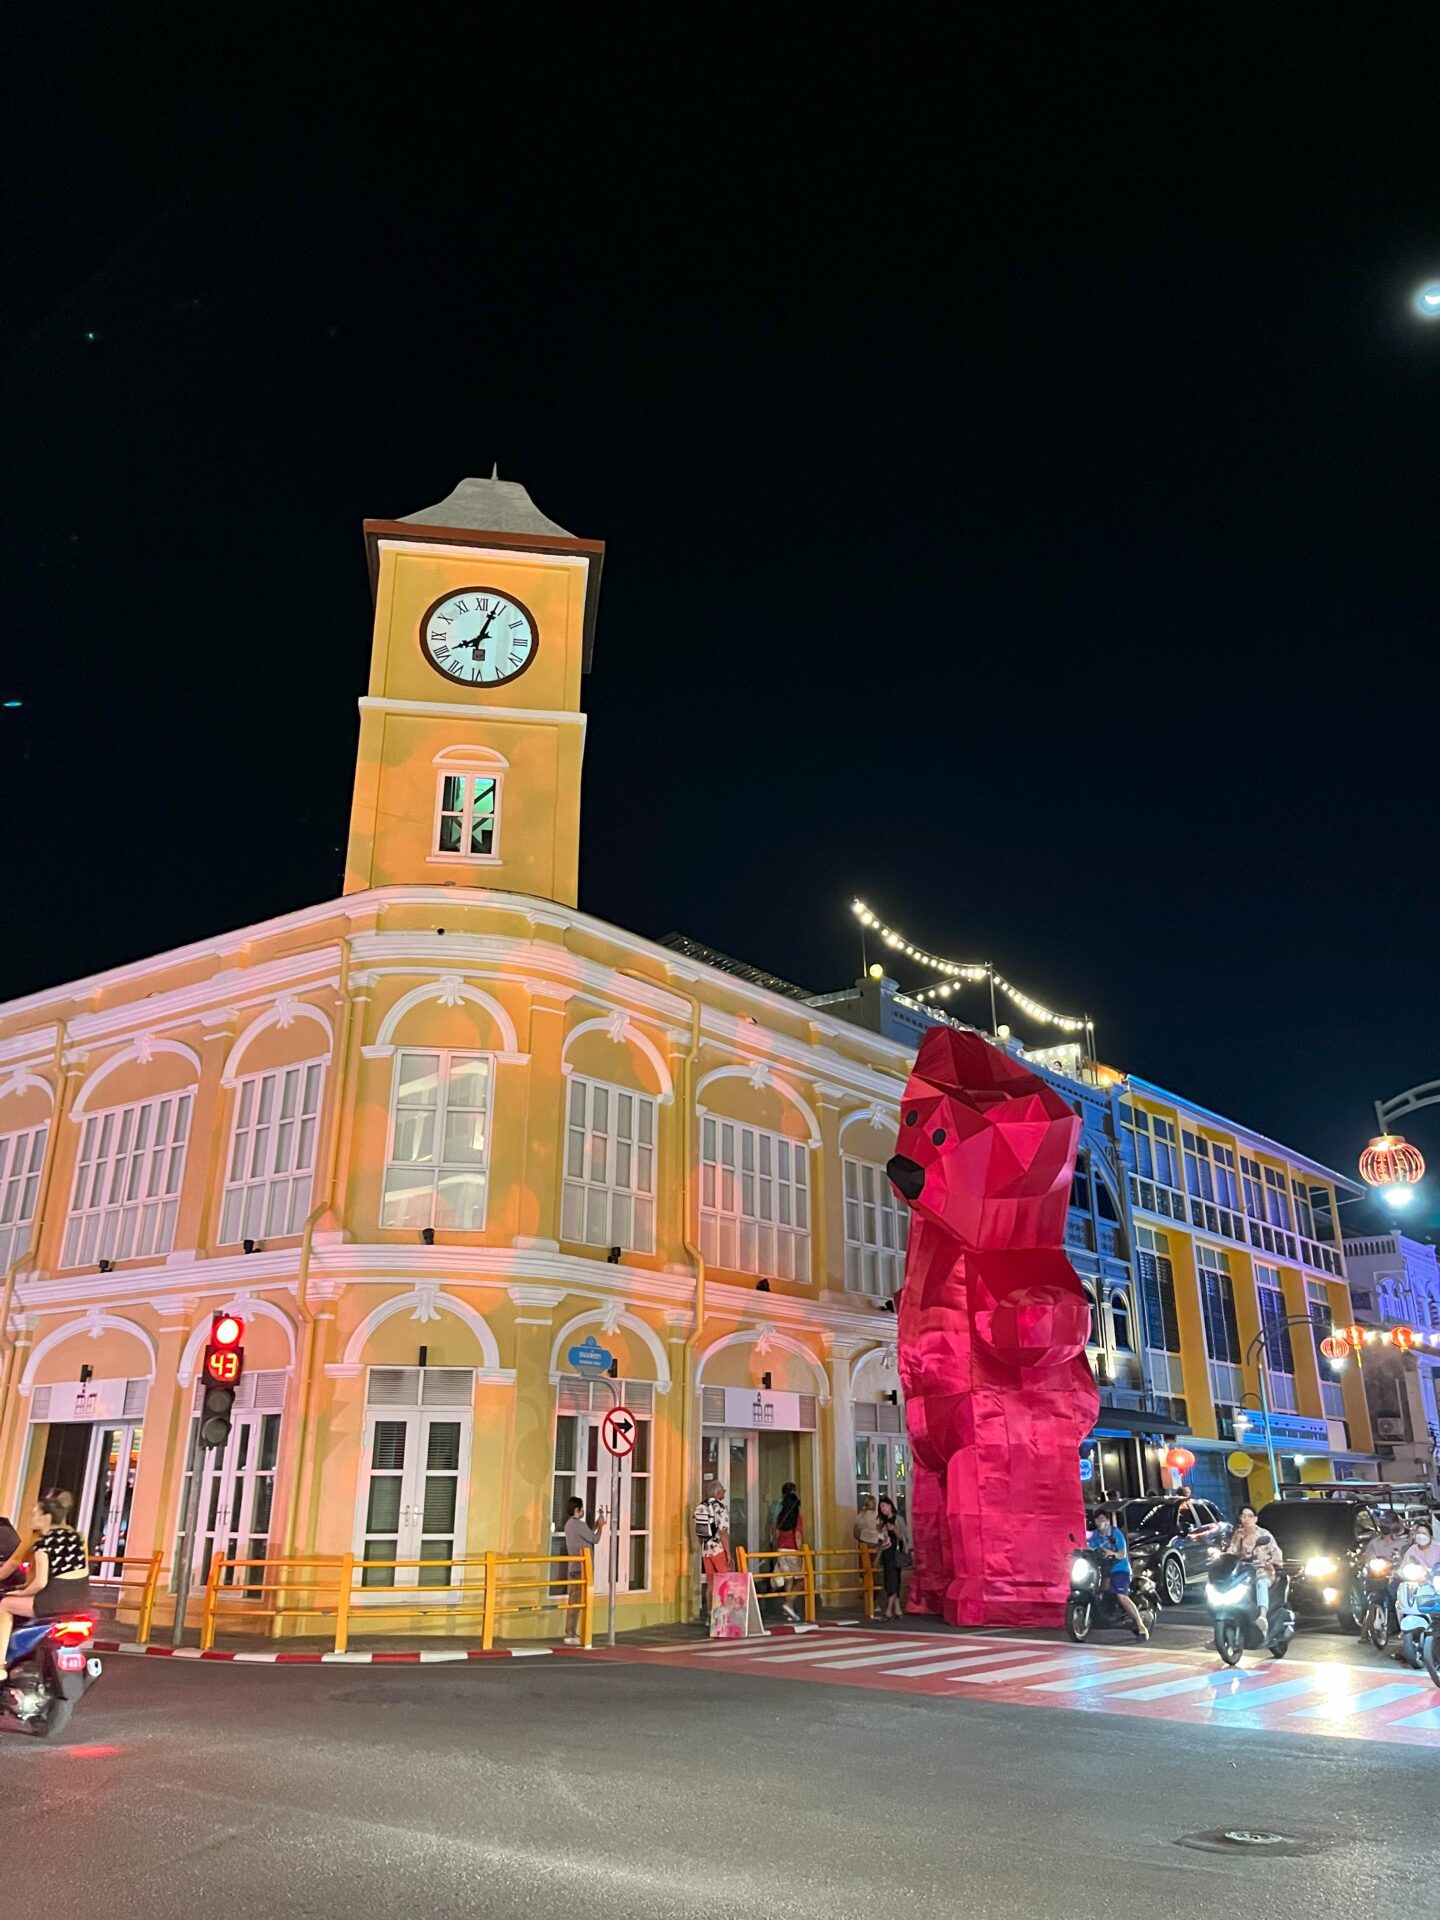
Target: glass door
{"x": 236, "y": 1496}
{"x": 109, "y": 1493}
{"x": 412, "y": 1502}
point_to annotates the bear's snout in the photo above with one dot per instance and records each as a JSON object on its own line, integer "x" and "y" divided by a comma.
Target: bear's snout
{"x": 906, "y": 1177}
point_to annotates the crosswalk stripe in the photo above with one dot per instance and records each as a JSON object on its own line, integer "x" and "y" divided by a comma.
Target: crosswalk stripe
{"x": 1361, "y": 1702}
{"x": 731, "y": 1649}
{"x": 844, "y": 1662}
{"x": 1267, "y": 1695}
{"x": 1107, "y": 1678}
{"x": 955, "y": 1660}
{"x": 1167, "y": 1688}
{"x": 832, "y": 1661}
{"x": 1024, "y": 1673}
{"x": 1430, "y": 1721}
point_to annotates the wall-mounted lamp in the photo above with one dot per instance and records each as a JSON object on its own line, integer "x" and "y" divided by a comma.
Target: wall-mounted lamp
{"x": 767, "y": 1381}
{"x": 612, "y": 1258}
{"x": 427, "y": 1234}
{"x": 251, "y": 1246}
{"x": 86, "y": 1373}
{"x": 106, "y": 1265}
{"x": 762, "y": 1286}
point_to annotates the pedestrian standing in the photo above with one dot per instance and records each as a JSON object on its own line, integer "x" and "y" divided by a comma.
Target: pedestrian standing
{"x": 867, "y": 1535}
{"x": 711, "y": 1526}
{"x": 579, "y": 1534}
{"x": 894, "y": 1553}
{"x": 789, "y": 1543}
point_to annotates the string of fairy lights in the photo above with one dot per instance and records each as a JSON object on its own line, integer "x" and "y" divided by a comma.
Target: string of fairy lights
{"x": 955, "y": 974}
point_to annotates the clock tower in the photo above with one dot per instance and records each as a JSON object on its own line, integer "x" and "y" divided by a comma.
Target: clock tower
{"x": 471, "y": 733}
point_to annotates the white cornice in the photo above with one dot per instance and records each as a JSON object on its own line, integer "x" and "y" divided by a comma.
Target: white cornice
{"x": 440, "y": 710}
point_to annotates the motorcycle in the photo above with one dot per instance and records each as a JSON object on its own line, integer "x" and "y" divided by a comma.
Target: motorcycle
{"x": 1417, "y": 1603}
{"x": 50, "y": 1669}
{"x": 1374, "y": 1609}
{"x": 1091, "y": 1603}
{"x": 1230, "y": 1594}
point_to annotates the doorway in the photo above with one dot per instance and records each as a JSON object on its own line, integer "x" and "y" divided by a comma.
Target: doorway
{"x": 96, "y": 1462}
{"x": 752, "y": 1468}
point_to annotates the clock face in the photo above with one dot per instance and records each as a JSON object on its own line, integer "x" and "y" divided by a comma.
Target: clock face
{"x": 479, "y": 637}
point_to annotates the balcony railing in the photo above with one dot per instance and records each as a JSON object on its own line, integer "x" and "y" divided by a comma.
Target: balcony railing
{"x": 1151, "y": 1197}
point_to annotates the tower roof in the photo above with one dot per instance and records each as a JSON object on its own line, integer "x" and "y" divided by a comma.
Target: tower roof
{"x": 487, "y": 506}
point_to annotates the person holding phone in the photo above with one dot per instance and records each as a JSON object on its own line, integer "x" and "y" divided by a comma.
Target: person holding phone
{"x": 579, "y": 1534}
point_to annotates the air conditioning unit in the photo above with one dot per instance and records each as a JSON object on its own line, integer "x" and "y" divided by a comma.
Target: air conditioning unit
{"x": 1389, "y": 1426}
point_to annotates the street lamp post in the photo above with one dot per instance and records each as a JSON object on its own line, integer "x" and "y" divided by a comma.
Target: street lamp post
{"x": 1260, "y": 1346}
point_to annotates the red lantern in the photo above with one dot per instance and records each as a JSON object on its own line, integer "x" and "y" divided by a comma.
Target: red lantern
{"x": 1390, "y": 1161}
{"x": 1334, "y": 1348}
{"x": 1354, "y": 1335}
{"x": 1404, "y": 1338}
{"x": 1179, "y": 1461}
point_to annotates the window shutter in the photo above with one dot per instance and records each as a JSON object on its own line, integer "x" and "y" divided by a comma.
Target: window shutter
{"x": 712, "y": 1406}
{"x": 807, "y": 1412}
{"x": 393, "y": 1387}
{"x": 867, "y": 1417}
{"x": 267, "y": 1389}
{"x": 40, "y": 1404}
{"x": 892, "y": 1419}
{"x": 136, "y": 1394}
{"x": 446, "y": 1386}
{"x": 572, "y": 1396}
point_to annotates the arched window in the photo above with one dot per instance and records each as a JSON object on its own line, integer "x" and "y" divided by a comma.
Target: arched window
{"x": 1120, "y": 1323}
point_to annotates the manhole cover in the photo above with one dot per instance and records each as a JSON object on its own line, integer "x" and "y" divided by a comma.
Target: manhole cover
{"x": 1252, "y": 1840}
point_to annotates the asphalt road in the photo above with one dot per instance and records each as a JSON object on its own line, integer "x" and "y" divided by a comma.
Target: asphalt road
{"x": 566, "y": 1787}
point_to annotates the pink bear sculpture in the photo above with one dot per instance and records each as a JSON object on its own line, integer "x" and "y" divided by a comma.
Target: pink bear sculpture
{"x": 992, "y": 1327}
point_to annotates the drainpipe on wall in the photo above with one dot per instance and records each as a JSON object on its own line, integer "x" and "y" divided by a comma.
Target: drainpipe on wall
{"x": 12, "y": 1272}
{"x": 689, "y": 1240}
{"x": 340, "y": 1077}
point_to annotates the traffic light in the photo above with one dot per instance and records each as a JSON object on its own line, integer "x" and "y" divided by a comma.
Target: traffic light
{"x": 224, "y": 1365}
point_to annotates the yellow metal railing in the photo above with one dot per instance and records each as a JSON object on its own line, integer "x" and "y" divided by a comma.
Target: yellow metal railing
{"x": 325, "y": 1588}
{"x": 826, "y": 1575}
{"x": 146, "y": 1583}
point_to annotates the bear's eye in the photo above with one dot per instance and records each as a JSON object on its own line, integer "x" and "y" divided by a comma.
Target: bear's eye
{"x": 937, "y": 1139}
{"x": 911, "y": 1117}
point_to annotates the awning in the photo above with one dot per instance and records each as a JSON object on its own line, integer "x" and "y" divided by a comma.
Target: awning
{"x": 1119, "y": 1423}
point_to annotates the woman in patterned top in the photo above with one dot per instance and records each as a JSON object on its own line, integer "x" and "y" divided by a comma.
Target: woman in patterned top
{"x": 59, "y": 1573}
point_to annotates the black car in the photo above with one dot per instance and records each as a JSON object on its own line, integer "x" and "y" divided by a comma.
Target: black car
{"x": 1319, "y": 1535}
{"x": 1173, "y": 1540}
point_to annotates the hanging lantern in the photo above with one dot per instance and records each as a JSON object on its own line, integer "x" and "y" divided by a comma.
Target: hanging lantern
{"x": 1390, "y": 1161}
{"x": 1404, "y": 1338}
{"x": 1179, "y": 1460}
{"x": 1353, "y": 1334}
{"x": 1334, "y": 1348}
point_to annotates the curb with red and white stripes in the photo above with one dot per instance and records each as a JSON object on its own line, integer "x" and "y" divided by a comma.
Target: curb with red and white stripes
{"x": 419, "y": 1657}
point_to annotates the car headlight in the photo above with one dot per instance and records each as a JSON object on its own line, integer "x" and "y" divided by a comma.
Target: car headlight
{"x": 1377, "y": 1567}
{"x": 1081, "y": 1574}
{"x": 1317, "y": 1568}
{"x": 1331, "y": 1596}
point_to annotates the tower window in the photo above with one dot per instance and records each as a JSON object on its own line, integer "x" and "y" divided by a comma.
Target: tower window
{"x": 467, "y": 816}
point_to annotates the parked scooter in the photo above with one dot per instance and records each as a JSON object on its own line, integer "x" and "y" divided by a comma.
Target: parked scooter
{"x": 1092, "y": 1604}
{"x": 1235, "y": 1606}
{"x": 51, "y": 1665}
{"x": 1417, "y": 1605}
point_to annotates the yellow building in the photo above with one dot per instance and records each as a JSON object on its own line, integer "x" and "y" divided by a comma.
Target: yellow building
{"x": 428, "y": 1137}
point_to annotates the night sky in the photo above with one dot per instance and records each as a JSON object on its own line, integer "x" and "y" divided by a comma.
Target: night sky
{"x": 1015, "y": 451}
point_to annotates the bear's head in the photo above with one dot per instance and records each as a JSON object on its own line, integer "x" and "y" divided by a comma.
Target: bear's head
{"x": 985, "y": 1148}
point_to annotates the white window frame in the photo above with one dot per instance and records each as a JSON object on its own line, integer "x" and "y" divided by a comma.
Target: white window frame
{"x": 22, "y": 1156}
{"x": 129, "y": 1171}
{"x": 592, "y": 1483}
{"x": 608, "y": 1186}
{"x": 877, "y": 1230}
{"x": 461, "y": 856}
{"x": 418, "y": 1417}
{"x": 744, "y": 1171}
{"x": 262, "y": 1139}
{"x": 445, "y": 1058}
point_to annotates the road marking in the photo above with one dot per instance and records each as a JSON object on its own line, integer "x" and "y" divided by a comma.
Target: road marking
{"x": 846, "y": 1661}
{"x": 1168, "y": 1688}
{"x": 1266, "y": 1696}
{"x": 833, "y": 1660}
{"x": 739, "y": 1649}
{"x": 1024, "y": 1673}
{"x": 1361, "y": 1702}
{"x": 1105, "y": 1679}
{"x": 1430, "y": 1722}
{"x": 955, "y": 1660}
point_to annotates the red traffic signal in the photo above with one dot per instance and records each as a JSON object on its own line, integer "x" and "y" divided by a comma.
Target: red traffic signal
{"x": 226, "y": 1330}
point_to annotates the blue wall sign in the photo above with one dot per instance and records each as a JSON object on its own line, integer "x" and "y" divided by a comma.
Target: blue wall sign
{"x": 590, "y": 1356}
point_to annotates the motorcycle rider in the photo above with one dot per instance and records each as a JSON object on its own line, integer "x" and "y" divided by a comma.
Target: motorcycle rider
{"x": 1106, "y": 1539}
{"x": 60, "y": 1570}
{"x": 1259, "y": 1550}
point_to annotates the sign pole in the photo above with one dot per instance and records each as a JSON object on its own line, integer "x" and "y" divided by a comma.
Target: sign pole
{"x": 187, "y": 1537}
{"x": 614, "y": 1541}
